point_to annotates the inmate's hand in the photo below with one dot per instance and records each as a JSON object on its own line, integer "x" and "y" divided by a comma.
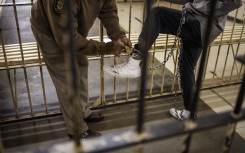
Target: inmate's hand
{"x": 114, "y": 48}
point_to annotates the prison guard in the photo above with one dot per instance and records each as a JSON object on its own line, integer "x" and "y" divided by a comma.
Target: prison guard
{"x": 51, "y": 19}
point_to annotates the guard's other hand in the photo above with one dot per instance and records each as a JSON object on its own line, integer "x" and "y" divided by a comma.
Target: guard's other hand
{"x": 114, "y": 48}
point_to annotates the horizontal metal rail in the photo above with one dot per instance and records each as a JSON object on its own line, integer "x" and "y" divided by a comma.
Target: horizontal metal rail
{"x": 15, "y": 4}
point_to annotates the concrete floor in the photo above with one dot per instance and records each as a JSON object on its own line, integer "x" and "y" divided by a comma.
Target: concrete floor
{"x": 221, "y": 99}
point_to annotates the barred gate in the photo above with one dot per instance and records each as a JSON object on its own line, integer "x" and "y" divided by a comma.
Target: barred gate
{"x": 19, "y": 61}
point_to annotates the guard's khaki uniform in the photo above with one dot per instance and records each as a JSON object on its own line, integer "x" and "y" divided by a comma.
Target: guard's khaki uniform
{"x": 49, "y": 24}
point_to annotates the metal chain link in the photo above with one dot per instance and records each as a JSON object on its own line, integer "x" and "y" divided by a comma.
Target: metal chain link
{"x": 176, "y": 86}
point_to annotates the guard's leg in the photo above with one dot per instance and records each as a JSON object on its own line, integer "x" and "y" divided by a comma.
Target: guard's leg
{"x": 83, "y": 89}
{"x": 54, "y": 60}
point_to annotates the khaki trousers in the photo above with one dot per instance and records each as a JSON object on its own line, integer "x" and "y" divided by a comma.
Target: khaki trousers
{"x": 54, "y": 59}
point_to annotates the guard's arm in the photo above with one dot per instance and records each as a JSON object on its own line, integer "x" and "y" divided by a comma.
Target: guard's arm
{"x": 109, "y": 18}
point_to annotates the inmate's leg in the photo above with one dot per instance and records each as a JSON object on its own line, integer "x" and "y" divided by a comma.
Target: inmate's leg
{"x": 190, "y": 53}
{"x": 161, "y": 20}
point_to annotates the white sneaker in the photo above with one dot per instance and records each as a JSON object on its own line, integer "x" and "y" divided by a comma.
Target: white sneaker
{"x": 180, "y": 114}
{"x": 128, "y": 69}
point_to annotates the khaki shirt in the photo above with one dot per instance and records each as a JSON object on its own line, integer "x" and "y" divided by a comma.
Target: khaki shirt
{"x": 50, "y": 17}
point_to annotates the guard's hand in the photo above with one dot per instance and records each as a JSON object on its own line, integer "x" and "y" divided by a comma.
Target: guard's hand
{"x": 114, "y": 48}
{"x": 126, "y": 43}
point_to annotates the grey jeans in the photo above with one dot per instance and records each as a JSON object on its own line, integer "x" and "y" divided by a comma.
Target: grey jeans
{"x": 166, "y": 21}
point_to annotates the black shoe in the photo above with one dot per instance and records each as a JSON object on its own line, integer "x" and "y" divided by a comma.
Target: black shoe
{"x": 87, "y": 134}
{"x": 94, "y": 117}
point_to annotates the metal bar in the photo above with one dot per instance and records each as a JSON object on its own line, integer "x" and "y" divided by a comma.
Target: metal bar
{"x": 216, "y": 62}
{"x": 139, "y": 81}
{"x": 72, "y": 80}
{"x": 140, "y": 117}
{"x": 15, "y": 102}
{"x": 197, "y": 88}
{"x": 163, "y": 69}
{"x": 1, "y": 116}
{"x": 234, "y": 62}
{"x": 186, "y": 142}
{"x": 203, "y": 60}
{"x": 22, "y": 57}
{"x": 9, "y": 77}
{"x": 115, "y": 84}
{"x": 102, "y": 85}
{"x": 236, "y": 113}
{"x": 175, "y": 60}
{"x": 127, "y": 89}
{"x": 15, "y": 91}
{"x": 163, "y": 74}
{"x": 28, "y": 117}
{"x": 240, "y": 97}
{"x": 130, "y": 19}
{"x": 228, "y": 50}
{"x": 21, "y": 66}
{"x": 206, "y": 64}
{"x": 243, "y": 25}
{"x": 42, "y": 81}
{"x": 241, "y": 69}
{"x": 228, "y": 138}
{"x": 15, "y": 4}
{"x": 152, "y": 72}
{"x": 41, "y": 74}
{"x": 1, "y": 144}
{"x": 127, "y": 80}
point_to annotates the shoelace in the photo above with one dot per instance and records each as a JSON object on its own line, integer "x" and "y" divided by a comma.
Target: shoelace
{"x": 180, "y": 115}
{"x": 85, "y": 135}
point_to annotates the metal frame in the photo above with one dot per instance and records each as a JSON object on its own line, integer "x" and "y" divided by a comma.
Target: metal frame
{"x": 139, "y": 134}
{"x": 115, "y": 99}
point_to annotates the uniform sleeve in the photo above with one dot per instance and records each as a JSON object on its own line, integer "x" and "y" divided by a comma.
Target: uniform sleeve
{"x": 109, "y": 18}
{"x": 59, "y": 26}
